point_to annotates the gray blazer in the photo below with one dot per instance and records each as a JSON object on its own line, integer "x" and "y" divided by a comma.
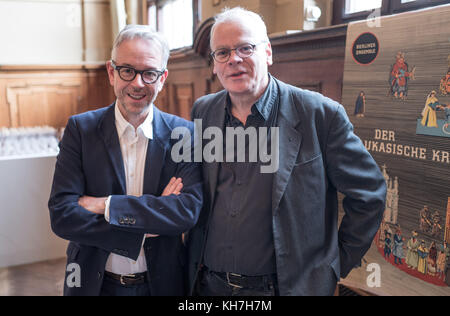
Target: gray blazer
{"x": 319, "y": 156}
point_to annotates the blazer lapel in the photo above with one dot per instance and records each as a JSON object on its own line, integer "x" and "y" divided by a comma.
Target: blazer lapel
{"x": 289, "y": 144}
{"x": 156, "y": 154}
{"x": 108, "y": 131}
{"x": 216, "y": 119}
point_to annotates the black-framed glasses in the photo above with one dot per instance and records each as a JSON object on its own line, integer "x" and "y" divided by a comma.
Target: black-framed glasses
{"x": 222, "y": 55}
{"x": 129, "y": 73}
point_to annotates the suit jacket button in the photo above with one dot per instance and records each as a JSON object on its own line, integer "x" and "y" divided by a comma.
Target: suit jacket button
{"x": 99, "y": 275}
{"x": 132, "y": 221}
{"x": 121, "y": 221}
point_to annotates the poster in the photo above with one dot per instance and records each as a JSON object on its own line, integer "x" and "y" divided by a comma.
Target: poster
{"x": 396, "y": 92}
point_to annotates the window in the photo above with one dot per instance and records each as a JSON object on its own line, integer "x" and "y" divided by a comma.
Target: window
{"x": 345, "y": 11}
{"x": 176, "y": 19}
{"x": 152, "y": 16}
{"x": 353, "y": 6}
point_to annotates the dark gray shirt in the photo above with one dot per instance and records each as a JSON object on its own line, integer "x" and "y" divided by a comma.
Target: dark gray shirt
{"x": 240, "y": 238}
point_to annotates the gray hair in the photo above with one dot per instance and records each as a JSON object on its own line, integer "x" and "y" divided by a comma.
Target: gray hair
{"x": 146, "y": 32}
{"x": 241, "y": 15}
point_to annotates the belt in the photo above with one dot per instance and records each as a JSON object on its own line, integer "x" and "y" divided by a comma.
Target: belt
{"x": 128, "y": 279}
{"x": 244, "y": 281}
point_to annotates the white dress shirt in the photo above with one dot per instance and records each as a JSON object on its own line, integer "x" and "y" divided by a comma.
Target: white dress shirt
{"x": 133, "y": 144}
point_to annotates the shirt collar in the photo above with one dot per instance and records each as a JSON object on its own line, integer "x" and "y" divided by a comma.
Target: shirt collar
{"x": 265, "y": 104}
{"x": 146, "y": 128}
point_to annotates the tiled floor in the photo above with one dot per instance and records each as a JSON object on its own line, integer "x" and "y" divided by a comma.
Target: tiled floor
{"x": 37, "y": 279}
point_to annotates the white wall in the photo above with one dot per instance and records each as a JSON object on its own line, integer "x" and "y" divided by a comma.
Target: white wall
{"x": 40, "y": 32}
{"x": 51, "y": 31}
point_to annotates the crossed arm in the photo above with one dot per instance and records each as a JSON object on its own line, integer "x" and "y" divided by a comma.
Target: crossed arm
{"x": 96, "y": 205}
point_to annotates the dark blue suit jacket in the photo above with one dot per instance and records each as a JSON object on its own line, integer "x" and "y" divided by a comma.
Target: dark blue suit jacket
{"x": 90, "y": 163}
{"x": 319, "y": 156}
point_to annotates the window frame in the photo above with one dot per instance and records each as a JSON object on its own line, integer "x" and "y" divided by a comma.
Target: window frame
{"x": 398, "y": 6}
{"x": 388, "y": 7}
{"x": 196, "y": 12}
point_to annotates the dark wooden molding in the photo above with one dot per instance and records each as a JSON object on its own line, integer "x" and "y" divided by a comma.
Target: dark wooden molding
{"x": 317, "y": 44}
{"x": 325, "y": 33}
{"x": 202, "y": 37}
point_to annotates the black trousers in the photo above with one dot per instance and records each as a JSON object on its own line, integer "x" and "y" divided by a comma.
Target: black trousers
{"x": 211, "y": 284}
{"x": 113, "y": 287}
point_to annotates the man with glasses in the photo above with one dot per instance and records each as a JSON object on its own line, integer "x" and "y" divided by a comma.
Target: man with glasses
{"x": 277, "y": 233}
{"x": 117, "y": 195}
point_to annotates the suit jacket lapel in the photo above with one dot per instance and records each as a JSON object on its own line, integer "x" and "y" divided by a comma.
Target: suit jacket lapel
{"x": 108, "y": 132}
{"x": 289, "y": 144}
{"x": 216, "y": 118}
{"x": 156, "y": 154}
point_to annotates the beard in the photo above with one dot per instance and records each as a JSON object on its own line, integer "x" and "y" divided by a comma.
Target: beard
{"x": 134, "y": 104}
{"x": 136, "y": 101}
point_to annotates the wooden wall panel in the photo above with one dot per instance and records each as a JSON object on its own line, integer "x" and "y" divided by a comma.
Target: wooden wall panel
{"x": 162, "y": 101}
{"x": 28, "y": 109}
{"x": 42, "y": 104}
{"x": 49, "y": 95}
{"x": 60, "y": 106}
{"x": 184, "y": 98}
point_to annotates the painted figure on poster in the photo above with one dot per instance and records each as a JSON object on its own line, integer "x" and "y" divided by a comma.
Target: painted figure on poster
{"x": 424, "y": 222}
{"x": 398, "y": 247}
{"x": 444, "y": 87}
{"x": 429, "y": 118}
{"x": 412, "y": 256}
{"x": 387, "y": 245}
{"x": 447, "y": 264}
{"x": 446, "y": 109}
{"x": 360, "y": 105}
{"x": 422, "y": 251}
{"x": 399, "y": 77}
{"x": 432, "y": 259}
{"x": 442, "y": 260}
{"x": 429, "y": 124}
{"x": 436, "y": 229}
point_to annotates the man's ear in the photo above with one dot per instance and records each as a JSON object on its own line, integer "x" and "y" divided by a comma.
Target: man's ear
{"x": 110, "y": 70}
{"x": 269, "y": 54}
{"x": 162, "y": 79}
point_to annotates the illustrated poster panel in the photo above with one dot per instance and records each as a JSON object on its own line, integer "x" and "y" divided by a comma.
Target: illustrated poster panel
{"x": 397, "y": 94}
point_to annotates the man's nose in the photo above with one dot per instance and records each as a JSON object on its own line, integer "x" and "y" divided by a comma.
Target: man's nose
{"x": 234, "y": 57}
{"x": 137, "y": 81}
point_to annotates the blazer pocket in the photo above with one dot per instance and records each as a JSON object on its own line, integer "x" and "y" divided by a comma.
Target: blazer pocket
{"x": 303, "y": 161}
